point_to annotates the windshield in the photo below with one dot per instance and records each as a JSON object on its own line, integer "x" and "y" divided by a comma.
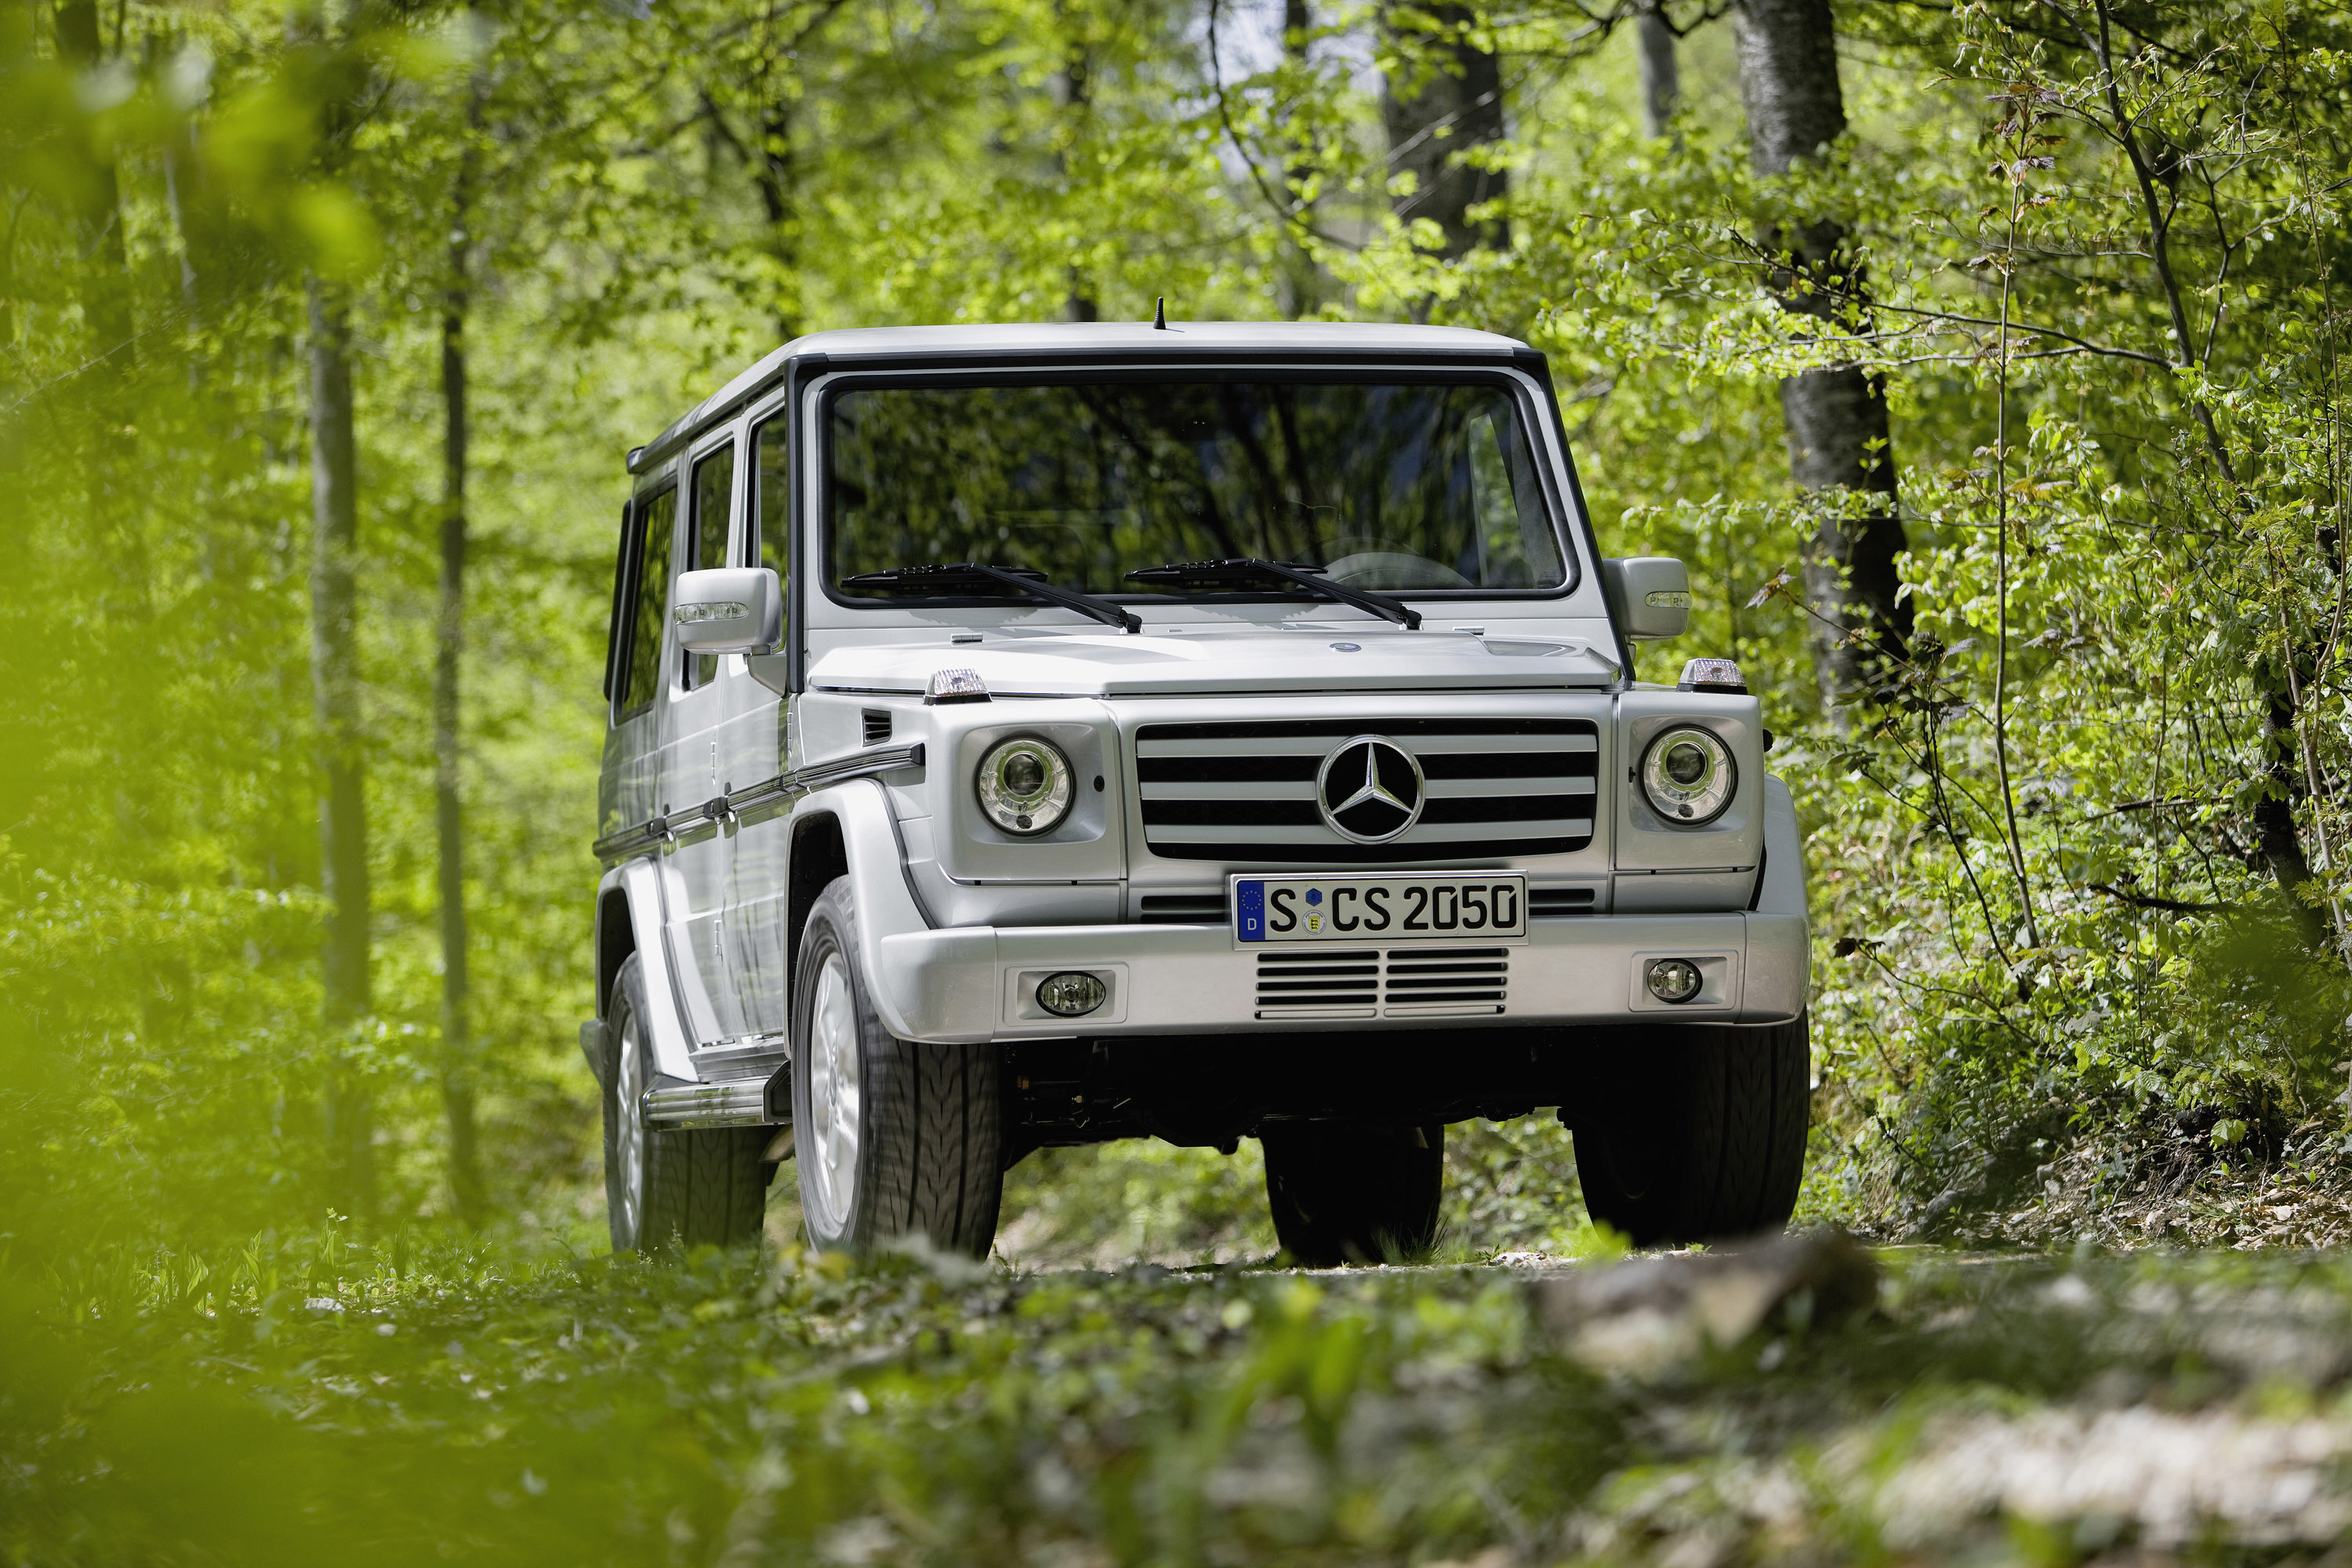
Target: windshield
{"x": 1397, "y": 486}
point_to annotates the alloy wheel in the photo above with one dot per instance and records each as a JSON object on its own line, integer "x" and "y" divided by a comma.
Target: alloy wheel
{"x": 828, "y": 1156}
{"x": 629, "y": 1141}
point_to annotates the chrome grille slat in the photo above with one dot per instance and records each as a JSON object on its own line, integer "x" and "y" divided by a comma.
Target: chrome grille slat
{"x": 1440, "y": 839}
{"x": 1304, "y": 789}
{"x": 1240, "y": 789}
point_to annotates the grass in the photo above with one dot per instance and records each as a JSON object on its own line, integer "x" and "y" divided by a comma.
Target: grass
{"x": 309, "y": 1398}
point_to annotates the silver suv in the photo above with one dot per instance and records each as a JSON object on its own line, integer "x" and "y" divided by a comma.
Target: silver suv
{"x": 1045, "y": 734}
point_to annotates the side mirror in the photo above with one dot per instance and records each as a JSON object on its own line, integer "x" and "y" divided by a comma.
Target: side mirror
{"x": 1649, "y": 594}
{"x": 728, "y": 609}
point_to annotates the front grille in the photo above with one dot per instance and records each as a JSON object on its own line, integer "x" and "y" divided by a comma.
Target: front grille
{"x": 1183, "y": 908}
{"x": 1545, "y": 903}
{"x": 1244, "y": 792}
{"x": 1397, "y": 982}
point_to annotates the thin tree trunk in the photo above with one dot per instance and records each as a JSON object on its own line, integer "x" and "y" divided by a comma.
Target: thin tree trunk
{"x": 778, "y": 174}
{"x": 457, "y": 1075}
{"x": 1444, "y": 99}
{"x": 775, "y": 163}
{"x": 1660, "y": 78}
{"x": 175, "y": 152}
{"x": 1301, "y": 284}
{"x": 105, "y": 301}
{"x": 1074, "y": 95}
{"x": 1836, "y": 418}
{"x": 335, "y": 705}
{"x": 2275, "y": 833}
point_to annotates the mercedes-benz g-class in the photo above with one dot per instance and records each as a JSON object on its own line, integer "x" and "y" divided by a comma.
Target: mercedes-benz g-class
{"x": 1045, "y": 734}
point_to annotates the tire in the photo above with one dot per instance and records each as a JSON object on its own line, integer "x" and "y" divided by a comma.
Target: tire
{"x": 1697, "y": 1133}
{"x": 1346, "y": 1192}
{"x": 892, "y": 1138}
{"x": 667, "y": 1190}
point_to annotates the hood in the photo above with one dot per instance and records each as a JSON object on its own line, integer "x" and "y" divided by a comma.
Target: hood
{"x": 1322, "y": 659}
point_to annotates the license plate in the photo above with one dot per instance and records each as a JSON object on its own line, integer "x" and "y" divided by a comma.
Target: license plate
{"x": 1475, "y": 906}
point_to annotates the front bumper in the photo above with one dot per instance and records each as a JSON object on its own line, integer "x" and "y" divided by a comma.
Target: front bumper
{"x": 970, "y": 984}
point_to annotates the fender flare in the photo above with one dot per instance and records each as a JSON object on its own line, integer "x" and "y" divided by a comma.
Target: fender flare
{"x": 892, "y": 923}
{"x": 1779, "y": 967}
{"x": 1783, "y": 893}
{"x": 633, "y": 888}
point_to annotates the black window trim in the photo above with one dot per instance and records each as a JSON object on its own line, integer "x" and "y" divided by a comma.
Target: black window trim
{"x": 691, "y": 531}
{"x": 1566, "y": 516}
{"x": 621, "y": 602}
{"x": 643, "y": 506}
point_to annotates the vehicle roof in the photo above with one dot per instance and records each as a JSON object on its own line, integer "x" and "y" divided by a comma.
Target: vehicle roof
{"x": 1079, "y": 341}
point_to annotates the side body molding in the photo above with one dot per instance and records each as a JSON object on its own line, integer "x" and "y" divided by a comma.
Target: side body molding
{"x": 887, "y": 913}
{"x": 639, "y": 882}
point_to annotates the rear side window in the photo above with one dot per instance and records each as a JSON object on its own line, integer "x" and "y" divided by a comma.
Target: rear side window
{"x": 714, "y": 492}
{"x": 774, "y": 496}
{"x": 650, "y": 591}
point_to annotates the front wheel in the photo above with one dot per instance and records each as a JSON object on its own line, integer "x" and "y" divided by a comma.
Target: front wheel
{"x": 1346, "y": 1192}
{"x": 669, "y": 1188}
{"x": 893, "y": 1137}
{"x": 1697, "y": 1132}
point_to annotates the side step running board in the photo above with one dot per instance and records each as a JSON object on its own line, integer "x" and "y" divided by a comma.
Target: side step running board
{"x": 743, "y": 1104}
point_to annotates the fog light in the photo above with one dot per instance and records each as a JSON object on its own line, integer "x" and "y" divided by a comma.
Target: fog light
{"x": 1670, "y": 979}
{"x": 1070, "y": 995}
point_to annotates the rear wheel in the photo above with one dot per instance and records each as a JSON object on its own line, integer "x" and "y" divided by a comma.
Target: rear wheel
{"x": 1346, "y": 1192}
{"x": 893, "y": 1137}
{"x": 1697, "y": 1133}
{"x": 669, "y": 1188}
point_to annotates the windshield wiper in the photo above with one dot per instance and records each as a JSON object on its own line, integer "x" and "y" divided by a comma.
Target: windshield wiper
{"x": 1226, "y": 573}
{"x": 936, "y": 579}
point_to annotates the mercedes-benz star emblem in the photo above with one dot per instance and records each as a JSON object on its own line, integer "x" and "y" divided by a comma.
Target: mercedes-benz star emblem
{"x": 1370, "y": 789}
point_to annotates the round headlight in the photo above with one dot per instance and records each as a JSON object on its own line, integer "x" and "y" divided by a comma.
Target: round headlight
{"x": 1025, "y": 786}
{"x": 1689, "y": 777}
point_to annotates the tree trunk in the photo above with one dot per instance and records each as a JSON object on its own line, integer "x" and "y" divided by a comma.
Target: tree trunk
{"x": 457, "y": 1075}
{"x": 1660, "y": 78}
{"x": 1444, "y": 99}
{"x": 1837, "y": 423}
{"x": 335, "y": 704}
{"x": 105, "y": 300}
{"x": 778, "y": 174}
{"x": 2275, "y": 834}
{"x": 1301, "y": 284}
{"x": 1074, "y": 95}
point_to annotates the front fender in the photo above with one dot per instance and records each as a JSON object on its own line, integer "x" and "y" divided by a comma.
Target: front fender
{"x": 891, "y": 917}
{"x": 637, "y": 884}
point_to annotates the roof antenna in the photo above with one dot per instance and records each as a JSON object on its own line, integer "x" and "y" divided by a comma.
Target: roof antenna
{"x": 1160, "y": 314}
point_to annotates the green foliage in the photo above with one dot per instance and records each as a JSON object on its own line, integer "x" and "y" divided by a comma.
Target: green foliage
{"x": 2055, "y": 853}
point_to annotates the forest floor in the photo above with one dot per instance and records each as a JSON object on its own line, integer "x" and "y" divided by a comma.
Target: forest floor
{"x": 1813, "y": 1402}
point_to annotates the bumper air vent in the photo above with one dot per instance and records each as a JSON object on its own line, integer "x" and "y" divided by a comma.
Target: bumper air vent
{"x": 1444, "y": 980}
{"x": 1244, "y": 793}
{"x": 878, "y": 726}
{"x": 1402, "y": 983}
{"x": 1318, "y": 984}
{"x": 1183, "y": 908}
{"x": 1544, "y": 903}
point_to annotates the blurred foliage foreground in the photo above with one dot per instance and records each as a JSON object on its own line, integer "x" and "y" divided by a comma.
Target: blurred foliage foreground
{"x": 420, "y": 1402}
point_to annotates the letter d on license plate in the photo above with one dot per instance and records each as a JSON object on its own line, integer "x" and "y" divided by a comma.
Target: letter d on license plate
{"x": 1464, "y": 906}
